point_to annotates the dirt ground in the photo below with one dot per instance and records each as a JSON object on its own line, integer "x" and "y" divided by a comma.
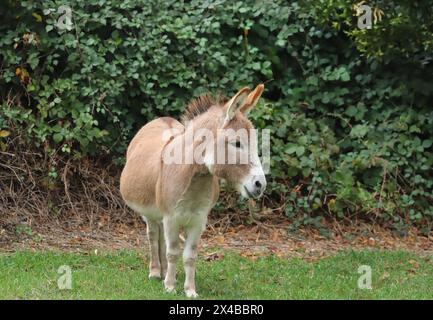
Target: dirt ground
{"x": 251, "y": 239}
{"x": 86, "y": 212}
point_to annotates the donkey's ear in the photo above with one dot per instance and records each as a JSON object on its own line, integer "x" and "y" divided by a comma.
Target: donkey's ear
{"x": 252, "y": 99}
{"x": 235, "y": 103}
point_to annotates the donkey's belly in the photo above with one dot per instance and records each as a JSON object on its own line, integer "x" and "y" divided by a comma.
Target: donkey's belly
{"x": 146, "y": 212}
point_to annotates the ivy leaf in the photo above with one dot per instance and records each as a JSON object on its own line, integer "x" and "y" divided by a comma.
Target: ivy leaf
{"x": 427, "y": 143}
{"x": 345, "y": 76}
{"x": 344, "y": 176}
{"x": 57, "y": 137}
{"x": 300, "y": 151}
{"x": 359, "y": 131}
{"x": 291, "y": 148}
{"x": 351, "y": 111}
{"x": 33, "y": 60}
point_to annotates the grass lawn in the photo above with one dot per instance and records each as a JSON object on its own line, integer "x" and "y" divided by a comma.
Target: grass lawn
{"x": 123, "y": 275}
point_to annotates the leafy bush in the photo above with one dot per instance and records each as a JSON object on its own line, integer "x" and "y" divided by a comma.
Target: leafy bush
{"x": 351, "y": 123}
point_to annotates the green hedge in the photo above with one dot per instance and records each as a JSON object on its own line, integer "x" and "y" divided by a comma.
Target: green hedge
{"x": 351, "y": 124}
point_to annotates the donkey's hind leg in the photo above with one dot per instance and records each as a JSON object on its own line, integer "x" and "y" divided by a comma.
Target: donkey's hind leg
{"x": 162, "y": 250}
{"x": 153, "y": 234}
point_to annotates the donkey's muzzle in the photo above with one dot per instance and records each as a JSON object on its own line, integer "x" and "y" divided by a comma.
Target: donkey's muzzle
{"x": 256, "y": 188}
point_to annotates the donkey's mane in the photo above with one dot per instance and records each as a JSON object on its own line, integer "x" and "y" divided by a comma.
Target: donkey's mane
{"x": 201, "y": 104}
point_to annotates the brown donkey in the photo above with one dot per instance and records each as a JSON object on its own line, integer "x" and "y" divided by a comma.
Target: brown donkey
{"x": 172, "y": 171}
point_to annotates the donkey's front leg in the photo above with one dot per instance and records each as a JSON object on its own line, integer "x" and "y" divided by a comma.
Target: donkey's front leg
{"x": 193, "y": 234}
{"x": 171, "y": 233}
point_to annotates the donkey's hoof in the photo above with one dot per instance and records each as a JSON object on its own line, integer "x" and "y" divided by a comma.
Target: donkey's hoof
{"x": 155, "y": 275}
{"x": 191, "y": 294}
{"x": 169, "y": 286}
{"x": 170, "y": 289}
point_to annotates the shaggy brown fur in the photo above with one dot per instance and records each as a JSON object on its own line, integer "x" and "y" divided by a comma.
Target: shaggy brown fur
{"x": 202, "y": 104}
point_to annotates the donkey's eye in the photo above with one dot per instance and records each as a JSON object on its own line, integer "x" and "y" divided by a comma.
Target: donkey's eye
{"x": 237, "y": 144}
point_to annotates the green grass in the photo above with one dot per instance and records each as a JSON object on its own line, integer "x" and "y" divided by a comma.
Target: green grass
{"x": 123, "y": 275}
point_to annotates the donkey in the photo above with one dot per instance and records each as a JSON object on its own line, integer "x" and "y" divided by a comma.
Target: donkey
{"x": 175, "y": 195}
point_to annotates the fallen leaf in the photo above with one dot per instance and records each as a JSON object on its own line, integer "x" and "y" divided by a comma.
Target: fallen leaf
{"x": 4, "y": 133}
{"x": 384, "y": 276}
{"x": 249, "y": 255}
{"x": 219, "y": 239}
{"x": 275, "y": 236}
{"x": 23, "y": 75}
{"x": 37, "y": 16}
{"x": 414, "y": 263}
{"x": 213, "y": 256}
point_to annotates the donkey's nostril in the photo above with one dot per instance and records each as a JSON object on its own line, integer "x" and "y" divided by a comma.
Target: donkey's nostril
{"x": 258, "y": 184}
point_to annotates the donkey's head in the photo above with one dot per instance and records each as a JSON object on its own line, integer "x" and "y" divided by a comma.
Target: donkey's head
{"x": 236, "y": 156}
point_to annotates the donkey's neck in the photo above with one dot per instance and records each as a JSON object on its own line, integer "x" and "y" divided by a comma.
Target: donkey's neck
{"x": 207, "y": 122}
